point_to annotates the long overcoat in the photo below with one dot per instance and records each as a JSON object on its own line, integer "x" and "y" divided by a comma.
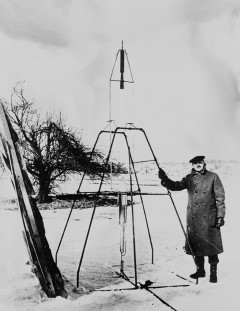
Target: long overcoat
{"x": 206, "y": 203}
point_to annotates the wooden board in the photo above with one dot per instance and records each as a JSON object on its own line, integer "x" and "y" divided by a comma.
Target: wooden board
{"x": 40, "y": 254}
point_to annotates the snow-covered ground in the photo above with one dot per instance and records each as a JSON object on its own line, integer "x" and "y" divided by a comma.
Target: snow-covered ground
{"x": 100, "y": 287}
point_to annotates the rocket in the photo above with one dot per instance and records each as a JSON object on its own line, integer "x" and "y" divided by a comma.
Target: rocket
{"x": 122, "y": 54}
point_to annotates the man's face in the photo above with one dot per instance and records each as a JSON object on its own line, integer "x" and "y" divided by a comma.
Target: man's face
{"x": 198, "y": 166}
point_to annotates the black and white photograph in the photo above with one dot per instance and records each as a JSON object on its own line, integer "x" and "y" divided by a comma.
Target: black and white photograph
{"x": 119, "y": 155}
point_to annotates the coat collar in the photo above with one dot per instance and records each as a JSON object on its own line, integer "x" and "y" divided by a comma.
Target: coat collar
{"x": 203, "y": 171}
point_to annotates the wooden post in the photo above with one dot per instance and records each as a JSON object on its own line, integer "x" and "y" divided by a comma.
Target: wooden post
{"x": 41, "y": 257}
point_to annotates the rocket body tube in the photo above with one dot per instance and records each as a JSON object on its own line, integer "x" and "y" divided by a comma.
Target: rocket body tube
{"x": 121, "y": 68}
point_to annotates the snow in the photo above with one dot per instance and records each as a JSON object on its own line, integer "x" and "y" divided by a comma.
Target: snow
{"x": 100, "y": 288}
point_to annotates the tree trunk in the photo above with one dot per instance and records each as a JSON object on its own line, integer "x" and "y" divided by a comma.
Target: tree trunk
{"x": 44, "y": 190}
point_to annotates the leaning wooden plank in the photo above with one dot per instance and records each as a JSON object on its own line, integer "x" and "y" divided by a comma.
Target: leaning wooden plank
{"x": 44, "y": 266}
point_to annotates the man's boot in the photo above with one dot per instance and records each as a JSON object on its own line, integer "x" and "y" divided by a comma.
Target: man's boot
{"x": 213, "y": 273}
{"x": 200, "y": 273}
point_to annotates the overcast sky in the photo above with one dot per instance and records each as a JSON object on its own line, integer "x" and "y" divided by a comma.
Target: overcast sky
{"x": 184, "y": 57}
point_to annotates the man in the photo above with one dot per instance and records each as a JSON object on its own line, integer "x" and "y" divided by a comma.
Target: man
{"x": 205, "y": 214}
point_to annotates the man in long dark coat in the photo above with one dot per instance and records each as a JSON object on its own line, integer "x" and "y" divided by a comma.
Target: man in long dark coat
{"x": 205, "y": 214}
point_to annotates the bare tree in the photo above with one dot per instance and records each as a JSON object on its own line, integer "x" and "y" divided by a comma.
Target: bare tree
{"x": 51, "y": 149}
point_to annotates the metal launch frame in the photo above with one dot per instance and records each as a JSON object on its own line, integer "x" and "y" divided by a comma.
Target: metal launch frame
{"x": 122, "y": 204}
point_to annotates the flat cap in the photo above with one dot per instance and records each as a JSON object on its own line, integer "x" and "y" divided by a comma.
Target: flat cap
{"x": 197, "y": 159}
